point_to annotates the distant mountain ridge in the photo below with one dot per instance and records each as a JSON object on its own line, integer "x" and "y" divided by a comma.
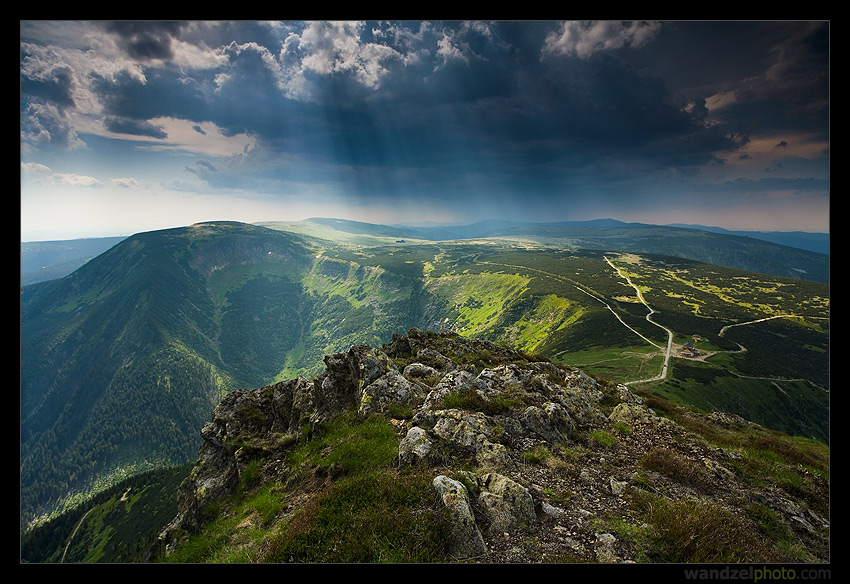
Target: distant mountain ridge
{"x": 772, "y": 253}
{"x": 48, "y": 260}
{"x": 811, "y": 241}
{"x": 41, "y": 261}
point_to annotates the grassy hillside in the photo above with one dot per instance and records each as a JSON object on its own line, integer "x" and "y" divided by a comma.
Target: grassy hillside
{"x": 123, "y": 361}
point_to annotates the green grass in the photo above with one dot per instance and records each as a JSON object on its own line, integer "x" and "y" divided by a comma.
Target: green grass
{"x": 349, "y": 444}
{"x": 377, "y": 516}
{"x": 693, "y": 531}
{"x": 537, "y": 455}
{"x": 372, "y": 513}
{"x": 470, "y": 399}
{"x": 603, "y": 438}
{"x": 364, "y": 511}
{"x": 622, "y": 364}
{"x": 675, "y": 466}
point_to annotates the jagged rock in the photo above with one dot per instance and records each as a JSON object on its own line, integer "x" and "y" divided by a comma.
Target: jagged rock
{"x": 466, "y": 540}
{"x": 605, "y": 552}
{"x": 717, "y": 469}
{"x": 452, "y": 381}
{"x": 728, "y": 420}
{"x": 293, "y": 404}
{"x": 462, "y": 429}
{"x": 505, "y": 503}
{"x": 416, "y": 447}
{"x": 549, "y": 421}
{"x": 390, "y": 388}
{"x": 503, "y": 407}
{"x": 617, "y": 487}
{"x": 627, "y": 413}
{"x": 492, "y": 455}
{"x": 581, "y": 398}
{"x": 627, "y": 396}
{"x": 345, "y": 376}
{"x": 551, "y": 510}
{"x": 420, "y": 370}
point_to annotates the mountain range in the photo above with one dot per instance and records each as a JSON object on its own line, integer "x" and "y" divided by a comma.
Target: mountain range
{"x": 123, "y": 360}
{"x": 45, "y": 260}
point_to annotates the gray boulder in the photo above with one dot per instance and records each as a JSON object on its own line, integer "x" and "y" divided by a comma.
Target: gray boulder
{"x": 466, "y": 541}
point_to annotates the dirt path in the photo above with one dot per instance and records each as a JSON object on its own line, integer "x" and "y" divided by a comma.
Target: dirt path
{"x": 73, "y": 533}
{"x": 728, "y": 326}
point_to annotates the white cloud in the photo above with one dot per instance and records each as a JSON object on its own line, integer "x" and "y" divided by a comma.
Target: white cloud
{"x": 330, "y": 48}
{"x": 69, "y": 179}
{"x": 583, "y": 38}
{"x": 33, "y": 167}
{"x": 125, "y": 183}
{"x": 198, "y": 138}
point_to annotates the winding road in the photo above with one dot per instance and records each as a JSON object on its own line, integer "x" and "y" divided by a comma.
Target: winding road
{"x": 669, "y": 350}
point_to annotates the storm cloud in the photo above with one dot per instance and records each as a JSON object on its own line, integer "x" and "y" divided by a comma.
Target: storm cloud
{"x": 545, "y": 116}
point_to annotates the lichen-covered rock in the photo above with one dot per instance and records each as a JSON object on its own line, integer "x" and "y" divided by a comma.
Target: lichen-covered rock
{"x": 515, "y": 419}
{"x": 492, "y": 455}
{"x": 346, "y": 374}
{"x": 626, "y": 413}
{"x": 293, "y": 404}
{"x": 605, "y": 552}
{"x": 549, "y": 421}
{"x": 391, "y": 388}
{"x": 415, "y": 447}
{"x": 420, "y": 370}
{"x": 581, "y": 397}
{"x": 466, "y": 541}
{"x": 453, "y": 381}
{"x": 461, "y": 429}
{"x": 506, "y": 504}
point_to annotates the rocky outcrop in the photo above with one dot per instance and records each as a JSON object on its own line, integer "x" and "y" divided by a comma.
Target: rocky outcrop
{"x": 534, "y": 432}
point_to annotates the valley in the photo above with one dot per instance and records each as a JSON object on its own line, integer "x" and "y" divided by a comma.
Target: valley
{"x": 123, "y": 361}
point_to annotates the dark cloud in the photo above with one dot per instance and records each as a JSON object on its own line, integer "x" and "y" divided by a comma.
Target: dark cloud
{"x": 146, "y": 40}
{"x": 57, "y": 88}
{"x": 434, "y": 109}
{"x": 160, "y": 93}
{"x": 134, "y": 127}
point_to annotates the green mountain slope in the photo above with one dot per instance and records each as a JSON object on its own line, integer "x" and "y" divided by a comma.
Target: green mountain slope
{"x": 733, "y": 251}
{"x": 764, "y": 253}
{"x": 123, "y": 361}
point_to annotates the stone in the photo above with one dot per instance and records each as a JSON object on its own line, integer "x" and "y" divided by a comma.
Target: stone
{"x": 506, "y": 504}
{"x": 466, "y": 540}
{"x": 415, "y": 447}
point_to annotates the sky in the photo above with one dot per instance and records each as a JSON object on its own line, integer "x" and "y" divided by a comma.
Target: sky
{"x": 135, "y": 126}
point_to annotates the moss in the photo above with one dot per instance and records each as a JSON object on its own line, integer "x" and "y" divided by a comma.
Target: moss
{"x": 603, "y": 438}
